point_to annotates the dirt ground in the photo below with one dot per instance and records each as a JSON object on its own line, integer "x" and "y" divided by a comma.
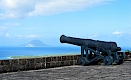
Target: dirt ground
{"x": 76, "y": 72}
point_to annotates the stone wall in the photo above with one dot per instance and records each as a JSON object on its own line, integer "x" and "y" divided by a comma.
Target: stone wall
{"x": 14, "y": 65}
{"x": 127, "y": 55}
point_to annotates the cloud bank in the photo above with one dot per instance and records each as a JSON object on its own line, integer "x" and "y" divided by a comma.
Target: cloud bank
{"x": 5, "y": 27}
{"x": 27, "y": 8}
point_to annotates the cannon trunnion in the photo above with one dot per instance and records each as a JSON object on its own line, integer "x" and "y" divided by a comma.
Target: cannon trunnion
{"x": 94, "y": 51}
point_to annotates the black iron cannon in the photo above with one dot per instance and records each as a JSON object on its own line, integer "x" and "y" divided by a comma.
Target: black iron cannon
{"x": 95, "y": 50}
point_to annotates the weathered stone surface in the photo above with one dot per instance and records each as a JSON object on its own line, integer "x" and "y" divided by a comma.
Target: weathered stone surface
{"x": 63, "y": 58}
{"x": 75, "y": 62}
{"x": 62, "y": 63}
{"x": 59, "y": 58}
{"x": 22, "y": 67}
{"x": 14, "y": 63}
{"x": 68, "y": 58}
{"x": 37, "y": 66}
{"x": 38, "y": 63}
{"x": 71, "y": 62}
{"x": 72, "y": 57}
{"x": 38, "y": 60}
{"x": 22, "y": 61}
{"x": 48, "y": 65}
{"x": 30, "y": 61}
{"x": 5, "y": 62}
{"x": 75, "y": 57}
{"x": 55, "y": 58}
{"x": 43, "y": 60}
{"x": 48, "y": 59}
{"x": 67, "y": 63}
{"x": 92, "y": 72}
{"x": 54, "y": 64}
{"x": 6, "y": 68}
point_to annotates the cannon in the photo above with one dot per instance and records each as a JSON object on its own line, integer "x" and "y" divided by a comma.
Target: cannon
{"x": 93, "y": 51}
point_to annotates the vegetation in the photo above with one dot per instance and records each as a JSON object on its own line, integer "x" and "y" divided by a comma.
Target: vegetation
{"x": 127, "y": 51}
{"x": 22, "y": 57}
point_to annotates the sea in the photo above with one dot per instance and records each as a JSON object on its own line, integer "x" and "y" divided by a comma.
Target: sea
{"x": 8, "y": 52}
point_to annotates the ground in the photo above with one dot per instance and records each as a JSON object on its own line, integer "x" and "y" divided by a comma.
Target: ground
{"x": 76, "y": 72}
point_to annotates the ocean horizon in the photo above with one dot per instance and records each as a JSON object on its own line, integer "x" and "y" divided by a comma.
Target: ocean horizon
{"x": 8, "y": 52}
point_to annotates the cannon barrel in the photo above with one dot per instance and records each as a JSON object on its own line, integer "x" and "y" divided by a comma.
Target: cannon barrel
{"x": 112, "y": 46}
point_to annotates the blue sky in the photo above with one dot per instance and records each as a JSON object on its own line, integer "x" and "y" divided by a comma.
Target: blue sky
{"x": 46, "y": 20}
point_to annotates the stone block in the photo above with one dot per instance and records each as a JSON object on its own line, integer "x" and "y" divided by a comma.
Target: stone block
{"x": 22, "y": 61}
{"x": 6, "y": 68}
{"x": 75, "y": 57}
{"x": 67, "y": 63}
{"x": 48, "y": 65}
{"x": 48, "y": 59}
{"x": 75, "y": 62}
{"x": 62, "y": 63}
{"x": 71, "y": 62}
{"x": 43, "y": 65}
{"x": 63, "y": 58}
{"x": 43, "y": 60}
{"x": 22, "y": 67}
{"x": 30, "y": 61}
{"x": 14, "y": 62}
{"x": 68, "y": 58}
{"x": 1, "y": 62}
{"x": 54, "y": 64}
{"x": 127, "y": 53}
{"x": 38, "y": 60}
{"x": 71, "y": 57}
{"x": 30, "y": 66}
{"x": 59, "y": 58}
{"x": 55, "y": 58}
{"x": 5, "y": 62}
{"x": 38, "y": 66}
{"x": 15, "y": 68}
{"x": 78, "y": 56}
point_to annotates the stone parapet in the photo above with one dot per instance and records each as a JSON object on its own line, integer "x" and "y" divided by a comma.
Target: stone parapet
{"x": 14, "y": 65}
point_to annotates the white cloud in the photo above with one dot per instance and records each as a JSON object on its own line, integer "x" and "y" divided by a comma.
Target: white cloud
{"x": 7, "y": 35}
{"x": 117, "y": 33}
{"x": 58, "y": 6}
{"x": 19, "y": 36}
{"x": 31, "y": 36}
{"x": 24, "y": 8}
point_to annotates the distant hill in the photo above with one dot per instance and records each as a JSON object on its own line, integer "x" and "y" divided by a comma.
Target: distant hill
{"x": 34, "y": 43}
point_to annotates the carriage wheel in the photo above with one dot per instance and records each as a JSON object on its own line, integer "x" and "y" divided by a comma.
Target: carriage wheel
{"x": 83, "y": 61}
{"x": 108, "y": 60}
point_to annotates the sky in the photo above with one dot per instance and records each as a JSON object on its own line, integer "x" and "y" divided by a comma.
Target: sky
{"x": 22, "y": 21}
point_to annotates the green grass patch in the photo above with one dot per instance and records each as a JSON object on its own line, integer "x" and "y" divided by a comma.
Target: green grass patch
{"x": 39, "y": 56}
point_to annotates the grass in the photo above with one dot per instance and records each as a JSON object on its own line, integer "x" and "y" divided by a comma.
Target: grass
{"x": 29, "y": 56}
